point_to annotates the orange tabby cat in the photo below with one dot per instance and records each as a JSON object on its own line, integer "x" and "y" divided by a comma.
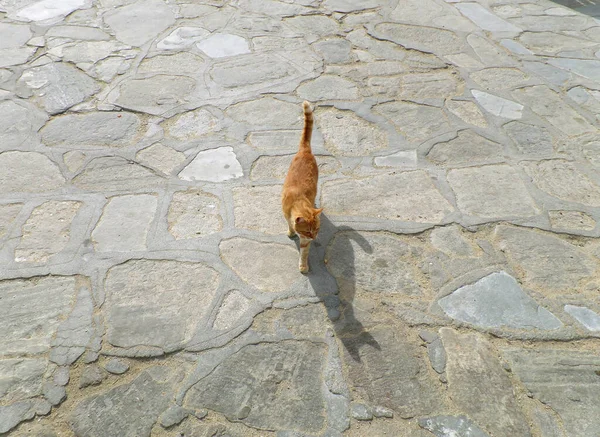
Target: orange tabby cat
{"x": 299, "y": 192}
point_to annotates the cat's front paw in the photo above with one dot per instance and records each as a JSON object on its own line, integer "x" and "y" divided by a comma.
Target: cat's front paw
{"x": 291, "y": 234}
{"x": 303, "y": 268}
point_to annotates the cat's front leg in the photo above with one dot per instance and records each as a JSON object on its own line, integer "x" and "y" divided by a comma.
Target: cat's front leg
{"x": 291, "y": 231}
{"x": 304, "y": 248}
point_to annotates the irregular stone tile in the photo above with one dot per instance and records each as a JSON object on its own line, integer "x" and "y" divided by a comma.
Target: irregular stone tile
{"x": 439, "y": 84}
{"x": 553, "y": 75}
{"x": 128, "y": 409}
{"x": 81, "y": 33}
{"x": 486, "y": 51}
{"x": 498, "y": 106}
{"x": 182, "y": 37}
{"x": 194, "y": 214}
{"x": 8, "y": 213}
{"x": 328, "y": 87}
{"x": 47, "y": 10}
{"x": 465, "y": 61}
{"x": 373, "y": 263}
{"x": 28, "y": 172}
{"x": 447, "y": 426}
{"x": 497, "y": 301}
{"x": 479, "y": 386}
{"x": 545, "y": 260}
{"x": 416, "y": 122}
{"x": 154, "y": 95}
{"x": 267, "y": 112}
{"x": 467, "y": 112}
{"x": 403, "y": 159}
{"x": 56, "y": 86}
{"x": 318, "y": 25}
{"x": 220, "y": 45}
{"x": 515, "y": 47}
{"x": 13, "y": 35}
{"x": 498, "y": 78}
{"x": 259, "y": 208}
{"x": 11, "y": 415}
{"x": 375, "y": 47}
{"x": 531, "y": 141}
{"x": 547, "y": 104}
{"x": 21, "y": 378}
{"x": 274, "y": 43}
{"x": 107, "y": 69}
{"x": 47, "y": 231}
{"x": 450, "y": 240}
{"x": 74, "y": 333}
{"x": 467, "y": 148}
{"x": 233, "y": 308}
{"x": 334, "y": 50}
{"x": 485, "y": 19}
{"x": 279, "y": 141}
{"x": 589, "y": 99}
{"x": 549, "y": 43}
{"x": 37, "y": 307}
{"x": 565, "y": 380}
{"x": 213, "y": 165}
{"x": 562, "y": 179}
{"x": 571, "y": 220}
{"x": 163, "y": 158}
{"x": 276, "y": 167}
{"x": 178, "y": 63}
{"x": 18, "y": 124}
{"x": 125, "y": 223}
{"x": 406, "y": 196}
{"x": 116, "y": 366}
{"x": 352, "y": 5}
{"x": 392, "y": 375}
{"x": 428, "y": 39}
{"x": 591, "y": 151}
{"x": 583, "y": 67}
{"x": 94, "y": 129}
{"x": 193, "y": 124}
{"x": 491, "y": 191}
{"x": 273, "y": 386}
{"x": 148, "y": 302}
{"x": 87, "y": 51}
{"x": 91, "y": 375}
{"x": 15, "y": 56}
{"x": 138, "y": 23}
{"x": 347, "y": 134}
{"x": 115, "y": 174}
{"x": 585, "y": 316}
{"x": 274, "y": 271}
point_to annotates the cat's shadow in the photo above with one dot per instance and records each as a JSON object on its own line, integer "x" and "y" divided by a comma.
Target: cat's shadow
{"x": 340, "y": 307}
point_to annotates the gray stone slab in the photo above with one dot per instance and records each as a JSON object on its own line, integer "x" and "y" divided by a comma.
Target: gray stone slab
{"x": 220, "y": 45}
{"x": 194, "y": 214}
{"x": 125, "y": 223}
{"x": 182, "y": 37}
{"x": 353, "y": 5}
{"x": 416, "y": 122}
{"x": 28, "y": 172}
{"x": 56, "y": 86}
{"x": 275, "y": 271}
{"x": 268, "y": 113}
{"x": 47, "y": 10}
{"x": 11, "y": 415}
{"x": 179, "y": 63}
{"x": 147, "y": 302}
{"x": 406, "y": 196}
{"x": 18, "y": 124}
{"x": 347, "y": 134}
{"x": 583, "y": 67}
{"x": 497, "y": 301}
{"x": 467, "y": 148}
{"x": 451, "y": 240}
{"x": 92, "y": 375}
{"x": 498, "y": 78}
{"x": 531, "y": 141}
{"x": 256, "y": 375}
{"x": 193, "y": 124}
{"x": 589, "y": 99}
{"x": 565, "y": 380}
{"x": 585, "y": 316}
{"x": 232, "y": 311}
{"x": 467, "y": 111}
{"x": 403, "y": 159}
{"x": 115, "y": 174}
{"x": 95, "y": 129}
{"x": 37, "y": 307}
{"x": 546, "y": 260}
{"x": 549, "y": 43}
{"x": 13, "y": 35}
{"x": 485, "y": 19}
{"x": 328, "y": 87}
{"x": 491, "y": 191}
{"x": 334, "y": 50}
{"x": 214, "y": 165}
{"x": 162, "y": 158}
{"x": 259, "y": 208}
{"x": 140, "y": 22}
{"x": 85, "y": 33}
{"x": 479, "y": 386}
{"x": 21, "y": 378}
{"x": 8, "y": 213}
{"x": 88, "y": 52}
{"x": 129, "y": 409}
{"x": 276, "y": 167}
{"x": 571, "y": 220}
{"x": 450, "y": 426}
{"x": 373, "y": 263}
{"x": 47, "y": 231}
{"x": 116, "y": 366}
{"x": 429, "y": 39}
{"x": 498, "y": 106}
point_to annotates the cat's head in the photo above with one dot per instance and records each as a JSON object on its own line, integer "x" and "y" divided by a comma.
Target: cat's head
{"x": 307, "y": 225}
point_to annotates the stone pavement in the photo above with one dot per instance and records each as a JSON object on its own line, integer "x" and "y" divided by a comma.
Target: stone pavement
{"x": 147, "y": 287}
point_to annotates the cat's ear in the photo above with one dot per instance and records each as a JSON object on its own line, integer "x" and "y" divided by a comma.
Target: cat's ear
{"x": 318, "y": 211}
{"x": 300, "y": 220}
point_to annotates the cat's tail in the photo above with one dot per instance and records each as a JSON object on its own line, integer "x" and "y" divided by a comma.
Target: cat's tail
{"x": 308, "y": 126}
